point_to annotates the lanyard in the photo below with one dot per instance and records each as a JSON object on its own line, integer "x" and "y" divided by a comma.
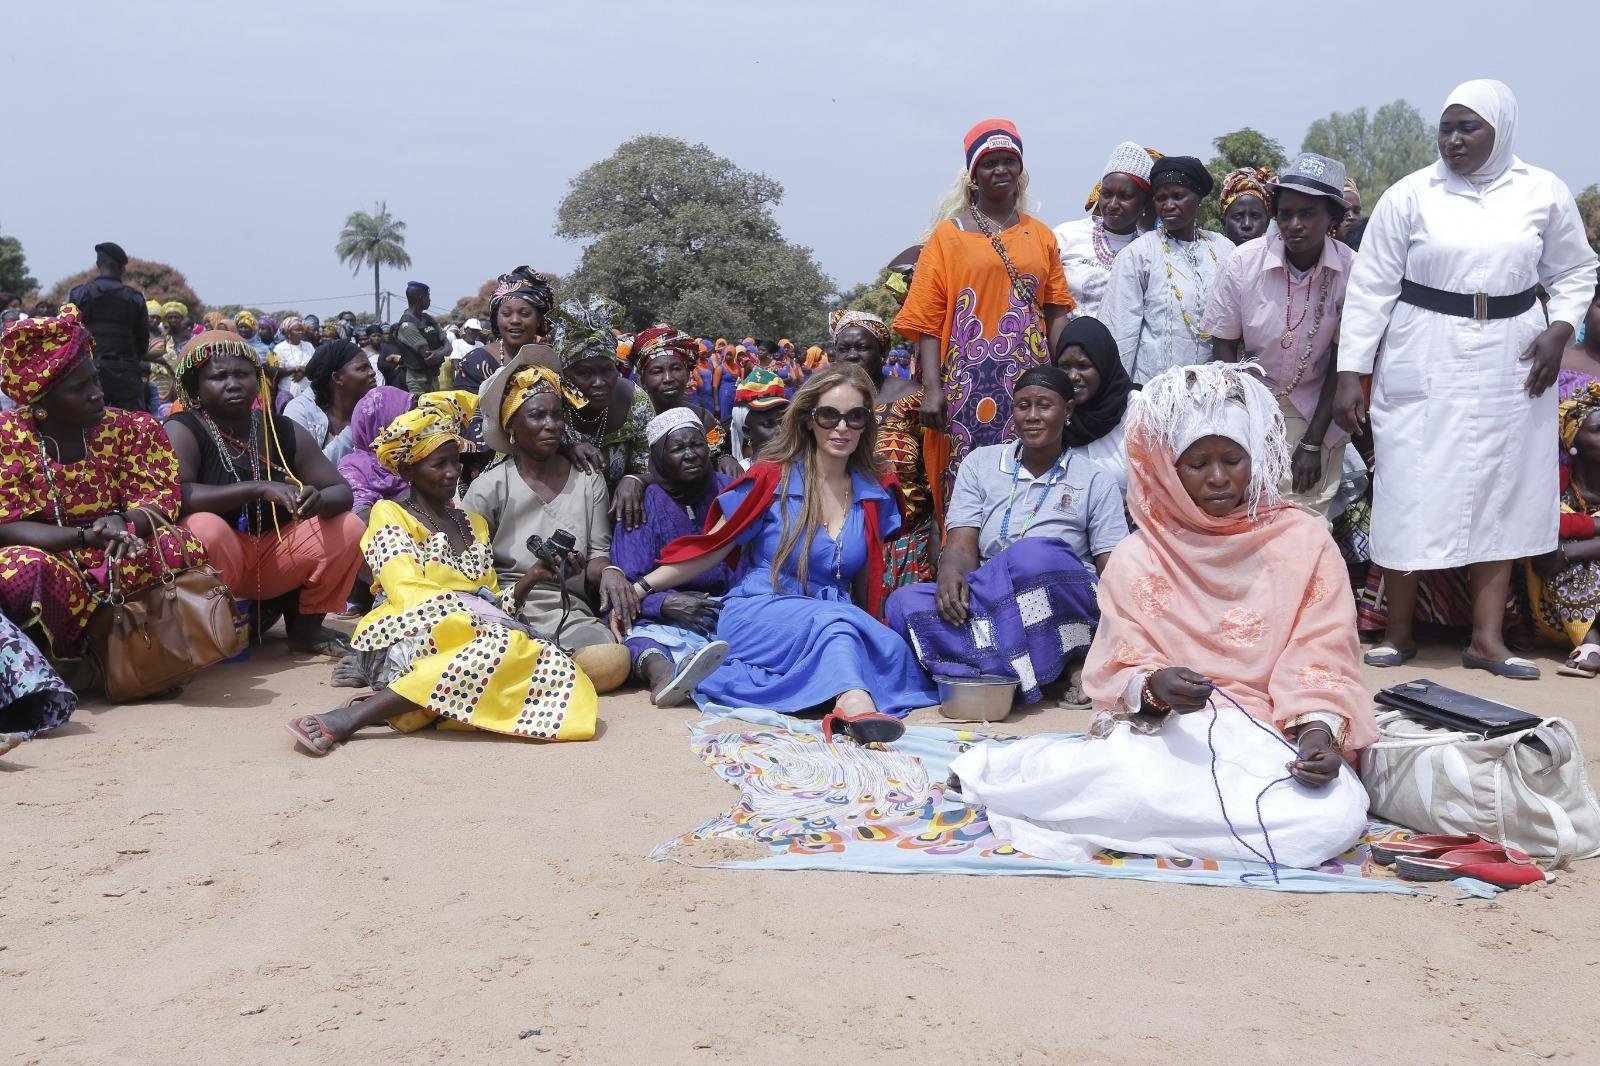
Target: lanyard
{"x": 1057, "y": 472}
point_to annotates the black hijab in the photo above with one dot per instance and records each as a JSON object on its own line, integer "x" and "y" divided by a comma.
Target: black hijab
{"x": 1103, "y": 412}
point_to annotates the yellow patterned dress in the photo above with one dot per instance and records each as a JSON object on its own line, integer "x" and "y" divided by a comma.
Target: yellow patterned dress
{"x": 469, "y": 662}
{"x": 907, "y": 557}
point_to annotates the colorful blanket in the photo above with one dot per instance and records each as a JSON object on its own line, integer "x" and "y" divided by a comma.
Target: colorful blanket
{"x": 808, "y": 805}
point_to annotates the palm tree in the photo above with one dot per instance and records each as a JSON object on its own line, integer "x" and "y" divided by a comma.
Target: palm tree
{"x": 375, "y": 240}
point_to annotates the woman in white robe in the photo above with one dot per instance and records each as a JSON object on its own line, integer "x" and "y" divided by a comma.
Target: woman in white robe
{"x": 1117, "y": 207}
{"x": 1462, "y": 406}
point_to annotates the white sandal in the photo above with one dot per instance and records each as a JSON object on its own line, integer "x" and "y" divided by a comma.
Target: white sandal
{"x": 1583, "y": 662}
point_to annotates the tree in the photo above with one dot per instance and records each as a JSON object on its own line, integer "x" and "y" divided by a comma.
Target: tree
{"x": 1241, "y": 148}
{"x": 14, "y": 276}
{"x": 374, "y": 240}
{"x": 1589, "y": 209}
{"x": 680, "y": 235}
{"x": 157, "y": 281}
{"x": 1375, "y": 153}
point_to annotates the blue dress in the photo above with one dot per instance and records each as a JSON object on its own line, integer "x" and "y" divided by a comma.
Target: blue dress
{"x": 797, "y": 650}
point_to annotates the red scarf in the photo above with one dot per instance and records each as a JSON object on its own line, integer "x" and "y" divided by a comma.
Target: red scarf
{"x": 763, "y": 478}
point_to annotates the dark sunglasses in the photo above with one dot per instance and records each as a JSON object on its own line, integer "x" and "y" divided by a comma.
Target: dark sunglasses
{"x": 828, "y": 417}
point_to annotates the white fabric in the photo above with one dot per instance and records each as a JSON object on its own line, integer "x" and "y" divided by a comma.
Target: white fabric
{"x": 1129, "y": 157}
{"x": 737, "y": 441}
{"x": 293, "y": 357}
{"x": 1109, "y": 452}
{"x": 1087, "y": 277}
{"x": 1497, "y": 105}
{"x": 1153, "y": 795}
{"x": 669, "y": 420}
{"x": 1232, "y": 422}
{"x": 1465, "y": 464}
{"x": 1141, "y": 313}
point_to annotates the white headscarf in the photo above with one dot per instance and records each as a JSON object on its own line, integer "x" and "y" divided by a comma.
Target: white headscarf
{"x": 1497, "y": 105}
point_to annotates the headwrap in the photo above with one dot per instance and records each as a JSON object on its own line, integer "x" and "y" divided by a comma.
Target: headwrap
{"x": 216, "y": 320}
{"x": 1046, "y": 377}
{"x": 624, "y": 348}
{"x": 1128, "y": 158}
{"x": 521, "y": 283}
{"x": 438, "y": 419}
{"x": 584, "y": 329}
{"x": 1247, "y": 181}
{"x": 669, "y": 420}
{"x": 291, "y": 322}
{"x": 370, "y": 481}
{"x": 760, "y": 389}
{"x": 38, "y": 352}
{"x": 267, "y": 325}
{"x": 815, "y": 357}
{"x": 1184, "y": 403}
{"x": 245, "y": 318}
{"x": 113, "y": 252}
{"x": 1101, "y": 413}
{"x": 990, "y": 135}
{"x": 175, "y": 306}
{"x": 1183, "y": 170}
{"x": 529, "y": 382}
{"x": 1575, "y": 410}
{"x": 152, "y": 308}
{"x": 1497, "y": 105}
{"x": 204, "y": 347}
{"x": 662, "y": 340}
{"x": 328, "y": 358}
{"x": 838, "y": 321}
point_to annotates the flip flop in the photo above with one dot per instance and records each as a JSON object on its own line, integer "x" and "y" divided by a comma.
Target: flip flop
{"x": 1431, "y": 846}
{"x": 1384, "y": 655}
{"x": 1583, "y": 662}
{"x": 304, "y": 737}
{"x": 695, "y": 669}
{"x": 1514, "y": 668}
{"x": 1492, "y": 867}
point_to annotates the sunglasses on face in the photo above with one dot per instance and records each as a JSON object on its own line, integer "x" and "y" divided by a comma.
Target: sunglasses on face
{"x": 828, "y": 417}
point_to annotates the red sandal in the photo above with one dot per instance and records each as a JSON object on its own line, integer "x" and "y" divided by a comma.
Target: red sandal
{"x": 869, "y": 728}
{"x": 1494, "y": 867}
{"x": 1431, "y": 846}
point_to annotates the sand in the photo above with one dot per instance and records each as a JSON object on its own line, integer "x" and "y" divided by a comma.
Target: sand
{"x": 181, "y": 885}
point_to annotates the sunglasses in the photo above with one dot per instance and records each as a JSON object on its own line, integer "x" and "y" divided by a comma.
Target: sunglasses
{"x": 828, "y": 417}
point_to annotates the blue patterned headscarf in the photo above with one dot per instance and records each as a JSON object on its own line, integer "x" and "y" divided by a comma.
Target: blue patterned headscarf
{"x": 585, "y": 329}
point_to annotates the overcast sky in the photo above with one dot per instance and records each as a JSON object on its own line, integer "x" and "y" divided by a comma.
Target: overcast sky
{"x": 231, "y": 139}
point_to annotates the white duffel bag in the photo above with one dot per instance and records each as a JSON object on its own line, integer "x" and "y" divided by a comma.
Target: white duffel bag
{"x": 1528, "y": 789}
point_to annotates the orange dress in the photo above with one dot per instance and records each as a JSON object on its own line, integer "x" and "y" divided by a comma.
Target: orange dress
{"x": 989, "y": 333}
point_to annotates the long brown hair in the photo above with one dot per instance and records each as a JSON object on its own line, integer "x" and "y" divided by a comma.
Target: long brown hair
{"x": 796, "y": 443}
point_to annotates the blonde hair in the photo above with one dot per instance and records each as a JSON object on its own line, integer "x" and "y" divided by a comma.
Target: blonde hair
{"x": 796, "y": 443}
{"x": 960, "y": 198}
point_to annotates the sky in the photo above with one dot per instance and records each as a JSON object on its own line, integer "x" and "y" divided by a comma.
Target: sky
{"x": 231, "y": 139}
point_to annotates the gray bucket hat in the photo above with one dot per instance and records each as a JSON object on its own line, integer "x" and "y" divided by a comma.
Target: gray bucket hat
{"x": 492, "y": 394}
{"x": 1314, "y": 174}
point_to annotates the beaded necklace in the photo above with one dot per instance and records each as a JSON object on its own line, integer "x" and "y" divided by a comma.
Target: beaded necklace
{"x": 1194, "y": 265}
{"x": 456, "y": 517}
{"x": 1311, "y": 338}
{"x": 246, "y": 450}
{"x": 1057, "y": 472}
{"x": 1103, "y": 251}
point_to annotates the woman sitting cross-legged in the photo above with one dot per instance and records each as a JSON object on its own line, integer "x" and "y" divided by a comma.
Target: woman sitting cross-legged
{"x": 272, "y": 512}
{"x": 537, "y": 491}
{"x": 812, "y": 515}
{"x": 1227, "y": 598}
{"x": 449, "y": 648}
{"x": 1015, "y": 596}
{"x": 672, "y": 642}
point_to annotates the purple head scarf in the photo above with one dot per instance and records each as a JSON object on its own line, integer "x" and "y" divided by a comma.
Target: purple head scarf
{"x": 369, "y": 480}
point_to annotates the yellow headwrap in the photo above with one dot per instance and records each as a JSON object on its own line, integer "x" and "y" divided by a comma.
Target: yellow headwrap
{"x": 175, "y": 305}
{"x": 245, "y": 318}
{"x": 437, "y": 420}
{"x": 153, "y": 308}
{"x": 529, "y": 382}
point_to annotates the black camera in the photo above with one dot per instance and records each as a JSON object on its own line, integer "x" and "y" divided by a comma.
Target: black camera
{"x": 555, "y": 551}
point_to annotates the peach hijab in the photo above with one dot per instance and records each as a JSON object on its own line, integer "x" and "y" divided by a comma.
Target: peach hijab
{"x": 1257, "y": 600}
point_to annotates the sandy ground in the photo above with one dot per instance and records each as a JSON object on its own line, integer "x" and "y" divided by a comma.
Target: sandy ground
{"x": 180, "y": 885}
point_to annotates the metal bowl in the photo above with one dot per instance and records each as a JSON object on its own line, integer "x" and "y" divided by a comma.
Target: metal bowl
{"x": 985, "y": 698}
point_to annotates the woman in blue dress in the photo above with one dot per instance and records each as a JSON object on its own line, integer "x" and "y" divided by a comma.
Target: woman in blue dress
{"x": 809, "y": 520}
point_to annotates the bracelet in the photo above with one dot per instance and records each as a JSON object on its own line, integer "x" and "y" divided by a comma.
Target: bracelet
{"x": 617, "y": 568}
{"x": 83, "y": 537}
{"x": 1303, "y": 446}
{"x": 1147, "y": 697}
{"x": 645, "y": 585}
{"x": 625, "y": 477}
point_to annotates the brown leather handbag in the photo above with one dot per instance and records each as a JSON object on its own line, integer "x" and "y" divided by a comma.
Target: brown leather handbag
{"x": 164, "y": 635}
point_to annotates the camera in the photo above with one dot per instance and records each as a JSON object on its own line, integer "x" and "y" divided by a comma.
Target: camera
{"x": 554, "y": 551}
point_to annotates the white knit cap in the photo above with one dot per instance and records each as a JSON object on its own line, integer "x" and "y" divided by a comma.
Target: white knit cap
{"x": 669, "y": 420}
{"x": 1129, "y": 158}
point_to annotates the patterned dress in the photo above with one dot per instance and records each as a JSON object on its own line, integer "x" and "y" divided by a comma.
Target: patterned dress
{"x": 466, "y": 659}
{"x": 624, "y": 448}
{"x": 906, "y": 556}
{"x": 129, "y": 464}
{"x": 33, "y": 698}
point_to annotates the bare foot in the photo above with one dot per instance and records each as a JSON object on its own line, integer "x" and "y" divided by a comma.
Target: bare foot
{"x": 9, "y": 741}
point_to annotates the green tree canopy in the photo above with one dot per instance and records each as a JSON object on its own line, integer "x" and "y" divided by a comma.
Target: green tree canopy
{"x": 157, "y": 281}
{"x": 14, "y": 276}
{"x": 373, "y": 240}
{"x": 1241, "y": 148}
{"x": 1589, "y": 209}
{"x": 678, "y": 234}
{"x": 1376, "y": 152}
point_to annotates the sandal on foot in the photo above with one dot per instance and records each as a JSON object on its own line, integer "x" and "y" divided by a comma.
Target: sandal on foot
{"x": 297, "y": 729}
{"x": 1432, "y": 845}
{"x": 1514, "y": 668}
{"x": 695, "y": 669}
{"x": 869, "y": 728}
{"x": 1583, "y": 662}
{"x": 1385, "y": 655}
{"x": 1494, "y": 867}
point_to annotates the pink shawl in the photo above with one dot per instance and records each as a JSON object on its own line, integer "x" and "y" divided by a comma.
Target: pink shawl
{"x": 1261, "y": 606}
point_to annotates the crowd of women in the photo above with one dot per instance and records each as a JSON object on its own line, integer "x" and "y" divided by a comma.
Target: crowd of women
{"x": 1118, "y": 464}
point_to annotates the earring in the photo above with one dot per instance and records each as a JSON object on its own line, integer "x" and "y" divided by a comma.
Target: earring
{"x": 40, "y": 414}
{"x": 972, "y": 186}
